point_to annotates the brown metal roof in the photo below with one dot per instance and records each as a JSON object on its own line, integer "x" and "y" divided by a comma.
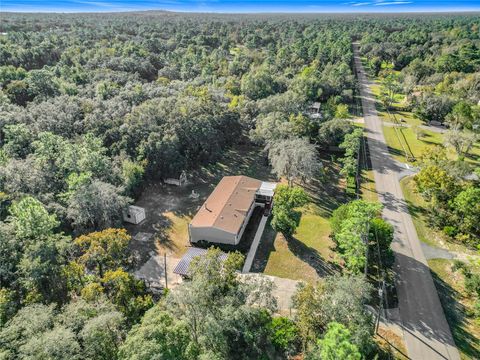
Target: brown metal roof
{"x": 228, "y": 204}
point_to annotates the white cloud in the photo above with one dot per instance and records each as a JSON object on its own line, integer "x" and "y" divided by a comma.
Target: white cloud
{"x": 393, "y": 3}
{"x": 361, "y": 4}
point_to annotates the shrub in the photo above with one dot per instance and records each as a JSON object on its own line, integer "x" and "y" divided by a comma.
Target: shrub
{"x": 285, "y": 335}
{"x": 450, "y": 231}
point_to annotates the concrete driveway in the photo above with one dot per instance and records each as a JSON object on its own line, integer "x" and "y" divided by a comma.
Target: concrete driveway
{"x": 426, "y": 331}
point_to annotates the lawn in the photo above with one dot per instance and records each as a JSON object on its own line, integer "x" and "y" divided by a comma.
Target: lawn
{"x": 406, "y": 137}
{"x": 309, "y": 254}
{"x": 457, "y": 305}
{"x": 404, "y": 117}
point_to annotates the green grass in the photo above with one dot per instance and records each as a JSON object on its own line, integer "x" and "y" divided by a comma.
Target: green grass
{"x": 406, "y": 136}
{"x": 457, "y": 305}
{"x": 309, "y": 254}
{"x": 407, "y": 117}
{"x": 412, "y": 145}
{"x": 367, "y": 186}
{"x": 302, "y": 257}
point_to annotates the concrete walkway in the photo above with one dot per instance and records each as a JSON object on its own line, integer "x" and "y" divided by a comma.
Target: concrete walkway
{"x": 283, "y": 290}
{"x": 254, "y": 246}
{"x": 426, "y": 331}
{"x": 153, "y": 271}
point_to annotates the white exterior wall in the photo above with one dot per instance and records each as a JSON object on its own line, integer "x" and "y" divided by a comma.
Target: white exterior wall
{"x": 211, "y": 234}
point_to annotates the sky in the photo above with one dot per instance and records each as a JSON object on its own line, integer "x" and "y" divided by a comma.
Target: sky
{"x": 235, "y": 6}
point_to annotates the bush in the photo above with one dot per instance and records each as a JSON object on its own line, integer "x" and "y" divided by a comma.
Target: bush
{"x": 472, "y": 284}
{"x": 285, "y": 335}
{"x": 459, "y": 265}
{"x": 450, "y": 231}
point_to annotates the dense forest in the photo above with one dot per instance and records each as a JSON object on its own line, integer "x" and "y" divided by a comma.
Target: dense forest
{"x": 95, "y": 106}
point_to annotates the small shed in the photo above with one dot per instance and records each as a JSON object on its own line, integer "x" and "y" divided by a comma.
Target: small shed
{"x": 183, "y": 265}
{"x": 315, "y": 107}
{"x": 134, "y": 214}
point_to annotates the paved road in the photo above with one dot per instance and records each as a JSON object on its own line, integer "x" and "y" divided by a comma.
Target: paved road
{"x": 426, "y": 331}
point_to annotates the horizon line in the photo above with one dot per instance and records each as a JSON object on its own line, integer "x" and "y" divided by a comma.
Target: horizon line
{"x": 110, "y": 11}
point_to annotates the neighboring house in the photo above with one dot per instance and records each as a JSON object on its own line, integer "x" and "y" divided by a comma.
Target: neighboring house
{"x": 224, "y": 216}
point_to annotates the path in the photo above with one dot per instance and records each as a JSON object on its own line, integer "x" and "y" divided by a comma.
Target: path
{"x": 283, "y": 290}
{"x": 254, "y": 246}
{"x": 426, "y": 331}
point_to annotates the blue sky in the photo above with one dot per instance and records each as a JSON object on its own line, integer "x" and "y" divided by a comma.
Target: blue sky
{"x": 241, "y": 6}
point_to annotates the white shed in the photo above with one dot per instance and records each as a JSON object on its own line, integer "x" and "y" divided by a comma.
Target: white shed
{"x": 134, "y": 214}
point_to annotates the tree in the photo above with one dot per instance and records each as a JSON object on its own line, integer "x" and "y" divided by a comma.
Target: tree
{"x": 431, "y": 107}
{"x": 351, "y": 145}
{"x": 462, "y": 141}
{"x": 102, "y": 335}
{"x": 466, "y": 206}
{"x": 335, "y": 344}
{"x": 158, "y": 335}
{"x": 302, "y": 125}
{"x": 30, "y": 219}
{"x": 436, "y": 184}
{"x": 350, "y": 227}
{"x": 333, "y": 132}
{"x": 419, "y": 132}
{"x": 96, "y": 205}
{"x": 104, "y": 250}
{"x": 285, "y": 218}
{"x": 132, "y": 173}
{"x": 7, "y": 306}
{"x": 127, "y": 293}
{"x": 285, "y": 335}
{"x": 222, "y": 313}
{"x": 381, "y": 237}
{"x": 341, "y": 112}
{"x": 18, "y": 140}
{"x": 389, "y": 89}
{"x": 10, "y": 254}
{"x": 29, "y": 321}
{"x": 338, "y": 299}
{"x": 343, "y": 301}
{"x": 258, "y": 84}
{"x": 58, "y": 343}
{"x": 309, "y": 322}
{"x": 41, "y": 268}
{"x": 461, "y": 116}
{"x": 293, "y": 159}
{"x": 272, "y": 128}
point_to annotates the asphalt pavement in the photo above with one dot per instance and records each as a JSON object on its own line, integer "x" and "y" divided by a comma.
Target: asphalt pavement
{"x": 426, "y": 331}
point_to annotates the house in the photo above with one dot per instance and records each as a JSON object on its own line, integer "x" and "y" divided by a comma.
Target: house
{"x": 224, "y": 216}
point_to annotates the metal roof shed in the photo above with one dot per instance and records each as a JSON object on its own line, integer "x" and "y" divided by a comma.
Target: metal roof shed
{"x": 183, "y": 265}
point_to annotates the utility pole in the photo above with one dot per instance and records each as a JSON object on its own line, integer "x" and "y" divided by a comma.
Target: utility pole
{"x": 366, "y": 241}
{"x": 381, "y": 293}
{"x": 165, "y": 268}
